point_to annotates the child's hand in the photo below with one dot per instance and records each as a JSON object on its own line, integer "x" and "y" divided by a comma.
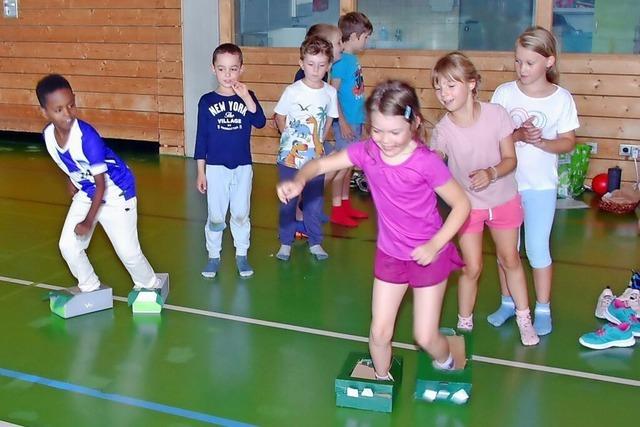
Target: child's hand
{"x": 425, "y": 254}
{"x": 529, "y": 133}
{"x": 287, "y": 190}
{"x": 82, "y": 228}
{"x": 240, "y": 89}
{"x": 480, "y": 179}
{"x": 201, "y": 183}
{"x": 346, "y": 131}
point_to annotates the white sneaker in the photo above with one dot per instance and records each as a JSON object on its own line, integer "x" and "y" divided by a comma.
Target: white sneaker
{"x": 605, "y": 298}
{"x": 631, "y": 297}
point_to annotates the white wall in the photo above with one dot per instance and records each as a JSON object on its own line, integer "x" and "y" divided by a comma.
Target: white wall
{"x": 200, "y": 37}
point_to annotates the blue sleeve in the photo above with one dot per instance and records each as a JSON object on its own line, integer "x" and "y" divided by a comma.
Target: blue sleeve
{"x": 93, "y": 149}
{"x": 258, "y": 119}
{"x": 202, "y": 132}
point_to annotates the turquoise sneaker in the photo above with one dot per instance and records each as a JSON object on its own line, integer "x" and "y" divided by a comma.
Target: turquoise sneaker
{"x": 619, "y": 312}
{"x": 609, "y": 336}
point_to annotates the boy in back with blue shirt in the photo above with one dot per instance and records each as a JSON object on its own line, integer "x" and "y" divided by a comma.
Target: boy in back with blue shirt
{"x": 223, "y": 155}
{"x": 346, "y": 77}
{"x": 102, "y": 186}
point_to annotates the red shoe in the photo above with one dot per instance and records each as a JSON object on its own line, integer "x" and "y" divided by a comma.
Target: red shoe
{"x": 353, "y": 212}
{"x": 340, "y": 217}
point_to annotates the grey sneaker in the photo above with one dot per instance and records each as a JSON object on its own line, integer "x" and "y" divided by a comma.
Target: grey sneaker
{"x": 211, "y": 269}
{"x": 244, "y": 269}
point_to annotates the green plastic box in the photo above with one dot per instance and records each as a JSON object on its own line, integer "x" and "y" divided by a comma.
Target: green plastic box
{"x": 363, "y": 391}
{"x": 446, "y": 386}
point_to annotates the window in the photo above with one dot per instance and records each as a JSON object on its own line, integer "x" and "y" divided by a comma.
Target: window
{"x": 281, "y": 23}
{"x": 447, "y": 24}
{"x": 599, "y": 26}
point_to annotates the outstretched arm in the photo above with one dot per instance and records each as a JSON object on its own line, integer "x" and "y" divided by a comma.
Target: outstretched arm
{"x": 287, "y": 190}
{"x": 455, "y": 197}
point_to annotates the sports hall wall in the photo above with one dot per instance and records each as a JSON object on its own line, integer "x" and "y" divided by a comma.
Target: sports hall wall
{"x": 124, "y": 60}
{"x": 122, "y": 57}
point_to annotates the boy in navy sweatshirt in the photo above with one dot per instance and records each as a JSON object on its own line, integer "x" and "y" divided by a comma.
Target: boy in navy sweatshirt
{"x": 223, "y": 155}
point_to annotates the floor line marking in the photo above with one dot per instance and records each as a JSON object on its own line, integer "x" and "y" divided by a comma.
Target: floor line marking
{"x": 358, "y": 338}
{"x": 118, "y": 398}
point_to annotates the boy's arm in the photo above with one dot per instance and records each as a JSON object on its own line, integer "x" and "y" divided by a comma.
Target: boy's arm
{"x": 82, "y": 228}
{"x": 243, "y": 92}
{"x": 201, "y": 180}
{"x": 345, "y": 129}
{"x": 327, "y": 126}
{"x": 281, "y": 122}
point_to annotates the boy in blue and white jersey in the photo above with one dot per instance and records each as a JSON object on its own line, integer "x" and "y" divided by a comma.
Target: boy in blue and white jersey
{"x": 102, "y": 186}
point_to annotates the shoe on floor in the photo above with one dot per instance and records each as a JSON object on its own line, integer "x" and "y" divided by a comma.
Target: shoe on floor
{"x": 244, "y": 269}
{"x": 211, "y": 269}
{"x": 631, "y": 297}
{"x": 340, "y": 217}
{"x": 284, "y": 252}
{"x": 609, "y": 336}
{"x": 619, "y": 312}
{"x": 604, "y": 300}
{"x": 528, "y": 334}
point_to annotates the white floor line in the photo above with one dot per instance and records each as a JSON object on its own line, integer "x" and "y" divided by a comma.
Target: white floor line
{"x": 357, "y": 338}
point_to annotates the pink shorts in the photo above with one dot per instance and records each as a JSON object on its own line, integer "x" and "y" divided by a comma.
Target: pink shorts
{"x": 394, "y": 270}
{"x": 507, "y": 215}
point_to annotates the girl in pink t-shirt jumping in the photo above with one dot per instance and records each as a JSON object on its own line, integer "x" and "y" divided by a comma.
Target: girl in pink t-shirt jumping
{"x": 413, "y": 246}
{"x": 476, "y": 139}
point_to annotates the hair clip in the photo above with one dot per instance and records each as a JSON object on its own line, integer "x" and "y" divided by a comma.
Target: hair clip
{"x": 407, "y": 112}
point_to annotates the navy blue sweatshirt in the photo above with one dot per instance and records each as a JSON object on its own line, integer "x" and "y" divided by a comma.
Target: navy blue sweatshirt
{"x": 224, "y": 129}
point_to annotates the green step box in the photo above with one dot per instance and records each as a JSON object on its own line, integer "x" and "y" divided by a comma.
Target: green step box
{"x": 436, "y": 385}
{"x": 150, "y": 301}
{"x": 72, "y": 302}
{"x": 356, "y": 386}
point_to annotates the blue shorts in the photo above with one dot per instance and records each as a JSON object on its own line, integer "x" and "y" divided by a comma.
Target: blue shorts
{"x": 342, "y": 143}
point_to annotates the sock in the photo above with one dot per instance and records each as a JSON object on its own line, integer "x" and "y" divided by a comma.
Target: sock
{"x": 465, "y": 323}
{"x": 542, "y": 321}
{"x": 318, "y": 252}
{"x": 284, "y": 253}
{"x": 504, "y": 312}
{"x": 387, "y": 377}
{"x": 446, "y": 365}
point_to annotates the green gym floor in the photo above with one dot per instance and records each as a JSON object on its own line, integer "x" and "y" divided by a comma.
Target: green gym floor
{"x": 266, "y": 350}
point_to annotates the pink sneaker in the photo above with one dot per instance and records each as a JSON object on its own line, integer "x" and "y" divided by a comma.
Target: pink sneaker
{"x": 528, "y": 334}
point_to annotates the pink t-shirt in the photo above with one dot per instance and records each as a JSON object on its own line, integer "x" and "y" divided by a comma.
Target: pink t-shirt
{"x": 477, "y": 147}
{"x": 404, "y": 196}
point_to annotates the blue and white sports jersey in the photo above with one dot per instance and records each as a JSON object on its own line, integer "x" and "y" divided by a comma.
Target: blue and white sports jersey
{"x": 86, "y": 155}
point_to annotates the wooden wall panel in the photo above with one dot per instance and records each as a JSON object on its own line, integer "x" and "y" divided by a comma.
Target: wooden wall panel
{"x": 122, "y": 57}
{"x": 606, "y": 89}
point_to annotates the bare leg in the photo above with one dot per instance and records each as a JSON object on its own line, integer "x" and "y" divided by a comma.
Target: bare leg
{"x": 427, "y": 304}
{"x": 385, "y": 302}
{"x": 471, "y": 247}
{"x": 542, "y": 281}
{"x": 509, "y": 260}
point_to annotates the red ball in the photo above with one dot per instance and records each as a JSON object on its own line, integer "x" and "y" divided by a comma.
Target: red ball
{"x": 599, "y": 184}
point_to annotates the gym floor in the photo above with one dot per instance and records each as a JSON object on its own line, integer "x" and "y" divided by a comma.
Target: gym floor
{"x": 266, "y": 350}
